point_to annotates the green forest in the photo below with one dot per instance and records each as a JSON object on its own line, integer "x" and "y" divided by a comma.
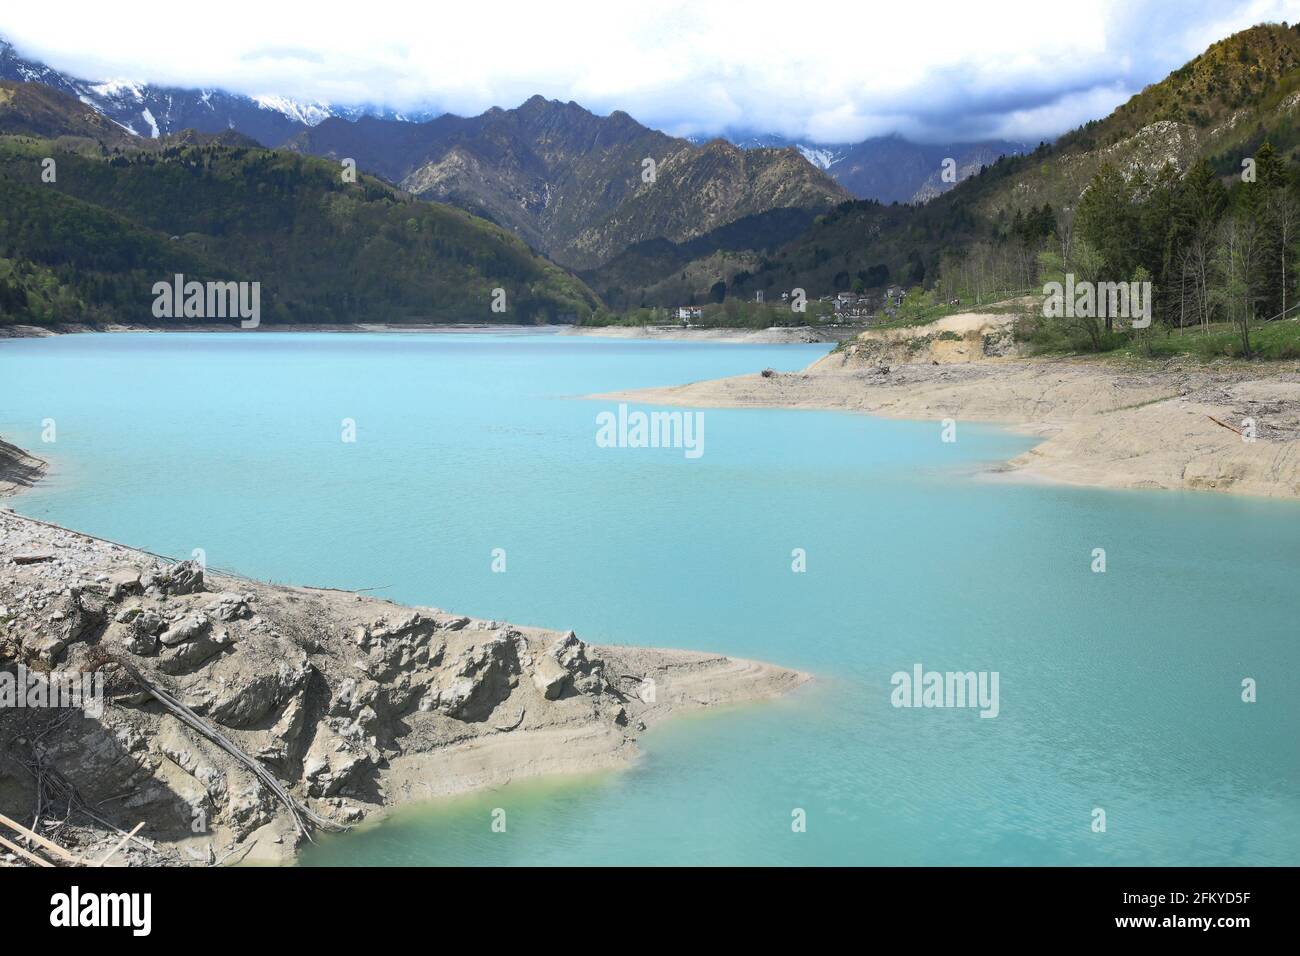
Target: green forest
{"x": 90, "y": 245}
{"x": 1218, "y": 257}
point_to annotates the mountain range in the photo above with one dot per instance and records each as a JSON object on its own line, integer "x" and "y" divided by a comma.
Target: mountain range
{"x": 577, "y": 186}
{"x": 574, "y": 185}
{"x": 645, "y": 219}
{"x": 886, "y": 168}
{"x": 891, "y": 168}
{"x": 149, "y": 110}
{"x": 1219, "y": 108}
{"x": 118, "y": 213}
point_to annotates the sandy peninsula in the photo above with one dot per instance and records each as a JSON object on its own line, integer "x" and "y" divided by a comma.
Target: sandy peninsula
{"x": 240, "y": 716}
{"x": 1231, "y": 427}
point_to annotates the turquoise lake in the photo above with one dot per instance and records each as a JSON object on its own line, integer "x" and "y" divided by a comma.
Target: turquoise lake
{"x": 1119, "y": 691}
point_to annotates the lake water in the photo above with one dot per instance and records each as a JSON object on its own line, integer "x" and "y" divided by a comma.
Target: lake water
{"x": 1119, "y": 691}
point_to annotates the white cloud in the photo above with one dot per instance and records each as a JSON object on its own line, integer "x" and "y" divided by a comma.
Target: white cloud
{"x": 826, "y": 70}
{"x": 1066, "y": 112}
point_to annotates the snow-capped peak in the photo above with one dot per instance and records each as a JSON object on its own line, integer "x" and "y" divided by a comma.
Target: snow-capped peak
{"x": 118, "y": 89}
{"x": 820, "y": 157}
{"x": 155, "y": 111}
{"x": 308, "y": 113}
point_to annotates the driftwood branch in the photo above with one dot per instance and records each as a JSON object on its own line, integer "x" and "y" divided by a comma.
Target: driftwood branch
{"x": 25, "y": 854}
{"x": 302, "y": 815}
{"x": 120, "y": 843}
{"x": 1231, "y": 428}
{"x": 34, "y": 837}
{"x": 48, "y": 779}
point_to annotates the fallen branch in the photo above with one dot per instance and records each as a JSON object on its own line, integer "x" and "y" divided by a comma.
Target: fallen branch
{"x": 39, "y": 840}
{"x": 242, "y": 851}
{"x": 53, "y": 788}
{"x": 1231, "y": 428}
{"x": 49, "y": 778}
{"x": 378, "y": 587}
{"x": 32, "y": 857}
{"x": 302, "y": 815}
{"x": 120, "y": 843}
{"x": 499, "y": 727}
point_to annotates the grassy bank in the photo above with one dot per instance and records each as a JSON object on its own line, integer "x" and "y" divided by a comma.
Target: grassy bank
{"x": 1269, "y": 341}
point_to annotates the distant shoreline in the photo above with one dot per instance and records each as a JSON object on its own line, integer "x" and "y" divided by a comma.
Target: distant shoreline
{"x": 1175, "y": 425}
{"x": 78, "y": 328}
{"x": 777, "y": 335}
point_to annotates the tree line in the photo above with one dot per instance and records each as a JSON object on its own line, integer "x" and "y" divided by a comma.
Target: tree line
{"x": 1213, "y": 252}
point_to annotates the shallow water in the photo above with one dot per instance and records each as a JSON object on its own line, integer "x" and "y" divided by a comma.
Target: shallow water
{"x": 1118, "y": 691}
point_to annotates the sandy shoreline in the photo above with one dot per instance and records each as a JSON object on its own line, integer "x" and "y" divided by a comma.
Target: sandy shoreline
{"x": 1171, "y": 426}
{"x": 355, "y": 704}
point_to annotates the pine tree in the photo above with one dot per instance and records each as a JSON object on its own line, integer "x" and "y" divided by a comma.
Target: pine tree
{"x": 1107, "y": 221}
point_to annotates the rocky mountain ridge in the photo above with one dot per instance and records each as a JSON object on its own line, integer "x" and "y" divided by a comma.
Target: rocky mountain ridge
{"x": 892, "y": 168}
{"x": 151, "y": 110}
{"x": 579, "y": 187}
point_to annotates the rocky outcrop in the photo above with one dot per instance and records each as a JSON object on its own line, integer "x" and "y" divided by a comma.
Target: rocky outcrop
{"x": 952, "y": 340}
{"x": 18, "y": 469}
{"x": 328, "y": 691}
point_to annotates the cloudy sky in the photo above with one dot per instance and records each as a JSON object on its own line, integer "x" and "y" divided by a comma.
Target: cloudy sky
{"x": 826, "y": 70}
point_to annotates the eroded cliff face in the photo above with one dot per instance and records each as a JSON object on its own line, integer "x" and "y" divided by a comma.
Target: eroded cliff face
{"x": 955, "y": 339}
{"x": 351, "y": 703}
